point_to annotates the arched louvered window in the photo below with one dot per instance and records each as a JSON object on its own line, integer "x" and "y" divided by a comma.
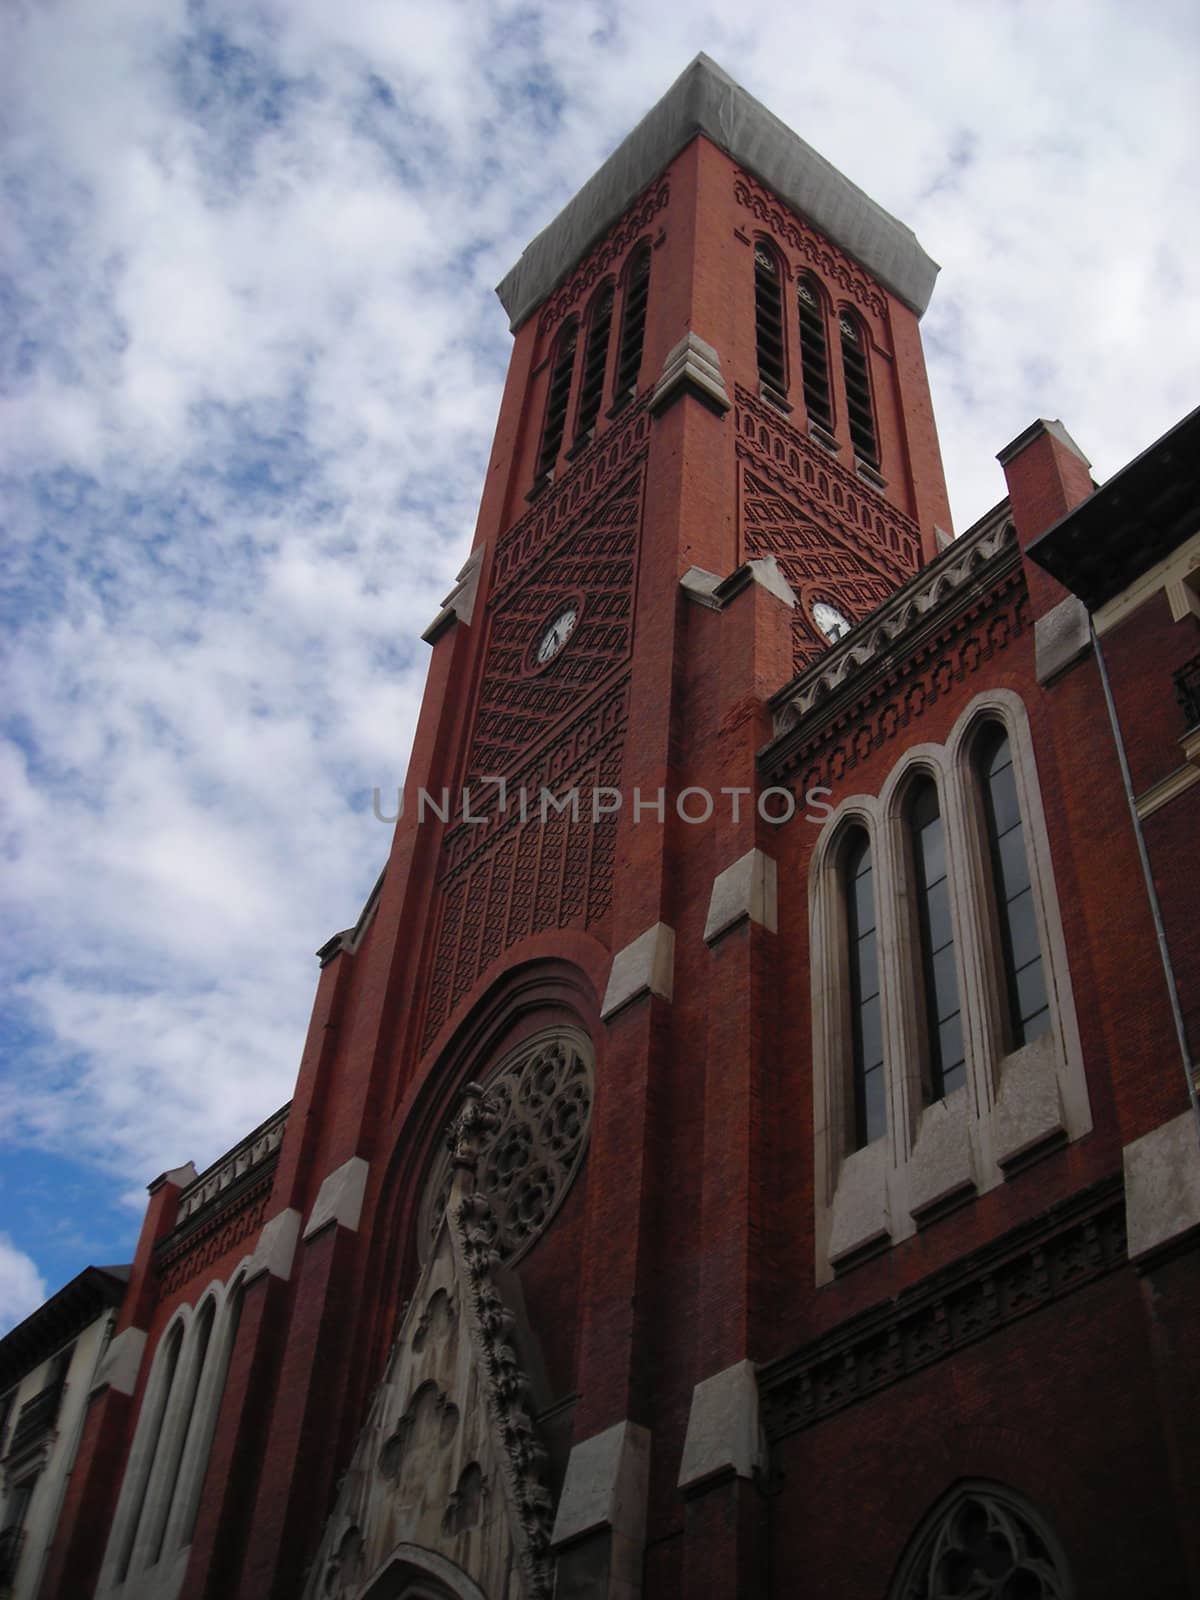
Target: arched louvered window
{"x": 939, "y": 977}
{"x": 1026, "y": 1003}
{"x": 633, "y": 325}
{"x": 768, "y": 320}
{"x": 858, "y": 389}
{"x": 814, "y": 353}
{"x": 595, "y": 359}
{"x": 556, "y": 399}
{"x": 866, "y": 1022}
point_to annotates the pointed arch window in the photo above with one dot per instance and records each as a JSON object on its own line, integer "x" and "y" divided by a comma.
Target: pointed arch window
{"x": 633, "y": 325}
{"x": 814, "y": 353}
{"x": 556, "y": 400}
{"x": 144, "y": 1463}
{"x": 857, "y": 372}
{"x": 768, "y": 321}
{"x": 595, "y": 360}
{"x": 866, "y": 1023}
{"x": 1026, "y": 1003}
{"x": 946, "y": 1054}
{"x": 983, "y": 1540}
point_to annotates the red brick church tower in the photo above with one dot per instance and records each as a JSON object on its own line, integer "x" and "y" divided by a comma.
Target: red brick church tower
{"x": 741, "y": 1148}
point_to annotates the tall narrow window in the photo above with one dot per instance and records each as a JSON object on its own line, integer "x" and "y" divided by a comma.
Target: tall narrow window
{"x": 152, "y": 1420}
{"x": 866, "y": 1022}
{"x": 1026, "y": 1002}
{"x": 556, "y": 400}
{"x": 178, "y": 1444}
{"x": 595, "y": 359}
{"x": 858, "y": 390}
{"x": 814, "y": 354}
{"x": 768, "y": 321}
{"x": 633, "y": 325}
{"x": 943, "y": 1012}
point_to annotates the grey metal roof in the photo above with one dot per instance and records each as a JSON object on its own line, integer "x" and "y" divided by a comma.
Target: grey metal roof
{"x": 706, "y": 100}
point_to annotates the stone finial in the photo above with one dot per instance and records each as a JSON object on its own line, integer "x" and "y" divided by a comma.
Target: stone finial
{"x": 473, "y": 1121}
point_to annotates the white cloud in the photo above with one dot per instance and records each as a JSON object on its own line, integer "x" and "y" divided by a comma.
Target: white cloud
{"x": 22, "y": 1287}
{"x": 253, "y": 363}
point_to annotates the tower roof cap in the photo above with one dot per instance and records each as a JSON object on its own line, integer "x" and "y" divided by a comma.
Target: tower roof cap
{"x": 704, "y": 99}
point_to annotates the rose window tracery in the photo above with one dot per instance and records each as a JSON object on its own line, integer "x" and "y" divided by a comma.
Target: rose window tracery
{"x": 540, "y": 1100}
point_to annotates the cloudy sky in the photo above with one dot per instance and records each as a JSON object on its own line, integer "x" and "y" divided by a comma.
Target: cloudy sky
{"x": 251, "y": 358}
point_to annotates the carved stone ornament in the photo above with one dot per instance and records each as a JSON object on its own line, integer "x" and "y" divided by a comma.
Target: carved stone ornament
{"x": 525, "y": 1134}
{"x": 983, "y": 1545}
{"x": 448, "y": 1466}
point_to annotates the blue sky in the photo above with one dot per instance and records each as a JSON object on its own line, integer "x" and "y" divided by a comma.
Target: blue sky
{"x": 250, "y": 359}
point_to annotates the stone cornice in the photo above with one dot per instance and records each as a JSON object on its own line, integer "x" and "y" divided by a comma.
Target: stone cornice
{"x": 961, "y": 575}
{"x": 1031, "y": 1266}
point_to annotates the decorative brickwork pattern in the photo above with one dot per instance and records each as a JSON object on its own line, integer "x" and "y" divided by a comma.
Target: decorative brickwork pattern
{"x": 179, "y": 1260}
{"x": 835, "y": 540}
{"x": 868, "y": 522}
{"x": 811, "y": 246}
{"x": 593, "y": 563}
{"x": 605, "y": 255}
{"x": 916, "y": 682}
{"x": 544, "y": 525}
{"x": 1082, "y": 1241}
{"x": 511, "y": 874}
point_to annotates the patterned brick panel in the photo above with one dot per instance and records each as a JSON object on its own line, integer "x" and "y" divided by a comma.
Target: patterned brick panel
{"x": 593, "y": 563}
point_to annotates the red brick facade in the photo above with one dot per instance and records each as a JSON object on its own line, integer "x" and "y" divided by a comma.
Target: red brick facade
{"x": 1009, "y": 1340}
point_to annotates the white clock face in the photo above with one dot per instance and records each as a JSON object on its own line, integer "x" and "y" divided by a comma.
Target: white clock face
{"x": 830, "y": 620}
{"x": 557, "y": 634}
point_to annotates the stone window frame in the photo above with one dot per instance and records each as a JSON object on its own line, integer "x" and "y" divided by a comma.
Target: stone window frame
{"x": 1010, "y": 1509}
{"x": 175, "y": 1428}
{"x": 1015, "y": 1106}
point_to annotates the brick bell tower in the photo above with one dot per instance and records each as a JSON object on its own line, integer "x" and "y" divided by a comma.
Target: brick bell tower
{"x": 715, "y": 452}
{"x": 526, "y": 1358}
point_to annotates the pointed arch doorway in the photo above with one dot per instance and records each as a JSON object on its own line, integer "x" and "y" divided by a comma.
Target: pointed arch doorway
{"x": 413, "y": 1573}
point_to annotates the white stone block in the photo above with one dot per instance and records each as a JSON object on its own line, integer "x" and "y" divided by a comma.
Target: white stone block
{"x": 1029, "y": 1111}
{"x": 647, "y": 966}
{"x": 121, "y": 1362}
{"x": 942, "y": 1164}
{"x": 723, "y": 1431}
{"x": 605, "y": 1486}
{"x": 860, "y": 1203}
{"x": 1162, "y": 1184}
{"x": 340, "y": 1197}
{"x": 746, "y": 889}
{"x": 276, "y": 1246}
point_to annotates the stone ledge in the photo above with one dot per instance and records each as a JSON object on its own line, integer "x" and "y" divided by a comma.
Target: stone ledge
{"x": 276, "y": 1246}
{"x": 646, "y": 966}
{"x": 691, "y": 365}
{"x": 747, "y": 889}
{"x": 340, "y": 1198}
{"x": 1060, "y": 638}
{"x": 859, "y": 1219}
{"x": 121, "y": 1362}
{"x": 723, "y": 1433}
{"x": 605, "y": 1487}
{"x": 1162, "y": 1185}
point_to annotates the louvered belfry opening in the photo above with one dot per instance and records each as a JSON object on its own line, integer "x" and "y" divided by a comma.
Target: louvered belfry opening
{"x": 768, "y": 314}
{"x": 814, "y": 354}
{"x": 858, "y": 391}
{"x": 556, "y": 401}
{"x": 633, "y": 326}
{"x": 595, "y": 359}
